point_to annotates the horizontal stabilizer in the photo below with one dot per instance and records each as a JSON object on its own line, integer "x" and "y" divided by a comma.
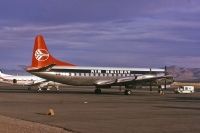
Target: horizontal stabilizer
{"x": 35, "y": 69}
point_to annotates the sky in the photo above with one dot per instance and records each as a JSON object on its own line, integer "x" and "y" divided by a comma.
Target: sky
{"x": 120, "y": 33}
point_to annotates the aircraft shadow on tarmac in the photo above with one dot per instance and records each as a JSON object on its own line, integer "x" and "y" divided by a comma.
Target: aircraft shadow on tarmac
{"x": 4, "y": 90}
{"x": 75, "y": 91}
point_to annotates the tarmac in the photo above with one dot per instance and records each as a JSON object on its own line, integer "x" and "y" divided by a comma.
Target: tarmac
{"x": 79, "y": 110}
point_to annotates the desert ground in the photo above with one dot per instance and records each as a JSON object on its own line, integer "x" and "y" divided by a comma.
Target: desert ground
{"x": 79, "y": 110}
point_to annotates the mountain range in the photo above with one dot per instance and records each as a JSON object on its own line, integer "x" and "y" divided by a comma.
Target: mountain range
{"x": 184, "y": 74}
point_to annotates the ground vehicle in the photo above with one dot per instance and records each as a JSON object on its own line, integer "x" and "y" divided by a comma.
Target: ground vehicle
{"x": 184, "y": 89}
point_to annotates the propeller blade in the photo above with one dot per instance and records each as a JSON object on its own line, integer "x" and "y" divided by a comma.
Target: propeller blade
{"x": 165, "y": 78}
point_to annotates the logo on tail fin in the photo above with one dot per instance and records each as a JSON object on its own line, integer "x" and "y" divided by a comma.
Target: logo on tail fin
{"x": 41, "y": 55}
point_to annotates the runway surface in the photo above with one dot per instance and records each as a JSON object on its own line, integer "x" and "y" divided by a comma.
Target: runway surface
{"x": 79, "y": 110}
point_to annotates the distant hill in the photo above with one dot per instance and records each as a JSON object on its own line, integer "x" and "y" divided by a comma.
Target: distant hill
{"x": 184, "y": 74}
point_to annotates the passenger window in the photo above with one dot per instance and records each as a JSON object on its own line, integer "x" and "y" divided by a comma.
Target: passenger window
{"x": 67, "y": 74}
{"x": 72, "y": 74}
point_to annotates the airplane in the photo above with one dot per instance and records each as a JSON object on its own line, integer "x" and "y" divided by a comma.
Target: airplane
{"x": 46, "y": 66}
{"x": 27, "y": 80}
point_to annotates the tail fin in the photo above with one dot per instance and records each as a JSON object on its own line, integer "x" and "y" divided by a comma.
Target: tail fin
{"x": 41, "y": 56}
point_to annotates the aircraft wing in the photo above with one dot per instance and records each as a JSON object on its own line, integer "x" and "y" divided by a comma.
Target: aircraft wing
{"x": 105, "y": 82}
{"x": 133, "y": 80}
{"x": 143, "y": 78}
{"x": 152, "y": 77}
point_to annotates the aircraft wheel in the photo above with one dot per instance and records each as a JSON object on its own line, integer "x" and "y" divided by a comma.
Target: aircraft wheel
{"x": 128, "y": 92}
{"x": 97, "y": 91}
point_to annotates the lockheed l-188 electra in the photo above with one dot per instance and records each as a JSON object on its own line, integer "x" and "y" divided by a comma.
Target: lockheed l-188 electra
{"x": 44, "y": 65}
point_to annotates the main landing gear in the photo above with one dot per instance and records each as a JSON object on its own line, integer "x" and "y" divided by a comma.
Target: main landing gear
{"x": 160, "y": 90}
{"x": 97, "y": 91}
{"x": 127, "y": 92}
{"x": 129, "y": 88}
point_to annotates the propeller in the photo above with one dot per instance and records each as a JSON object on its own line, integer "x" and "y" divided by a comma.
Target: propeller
{"x": 150, "y": 85}
{"x": 165, "y": 78}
